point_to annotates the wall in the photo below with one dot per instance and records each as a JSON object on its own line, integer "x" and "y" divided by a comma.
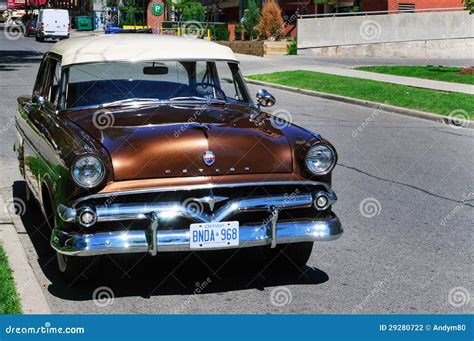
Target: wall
{"x": 257, "y": 47}
{"x": 340, "y": 31}
{"x": 426, "y": 49}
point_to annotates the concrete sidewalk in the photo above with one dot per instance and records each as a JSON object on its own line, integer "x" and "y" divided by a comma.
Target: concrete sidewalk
{"x": 27, "y": 285}
{"x": 254, "y": 65}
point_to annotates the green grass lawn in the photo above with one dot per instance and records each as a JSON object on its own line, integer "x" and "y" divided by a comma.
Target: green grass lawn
{"x": 399, "y": 95}
{"x": 9, "y": 301}
{"x": 438, "y": 73}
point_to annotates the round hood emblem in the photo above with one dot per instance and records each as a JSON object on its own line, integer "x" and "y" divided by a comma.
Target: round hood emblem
{"x": 208, "y": 158}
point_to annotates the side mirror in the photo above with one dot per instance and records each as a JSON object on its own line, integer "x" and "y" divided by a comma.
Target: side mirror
{"x": 38, "y": 100}
{"x": 265, "y": 99}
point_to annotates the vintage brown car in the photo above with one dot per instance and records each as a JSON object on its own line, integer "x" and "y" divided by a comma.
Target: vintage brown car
{"x": 149, "y": 144}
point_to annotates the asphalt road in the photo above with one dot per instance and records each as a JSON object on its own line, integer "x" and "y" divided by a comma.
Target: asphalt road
{"x": 406, "y": 198}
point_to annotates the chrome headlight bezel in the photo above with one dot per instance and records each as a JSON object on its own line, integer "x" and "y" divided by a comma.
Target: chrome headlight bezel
{"x": 326, "y": 170}
{"x": 88, "y": 184}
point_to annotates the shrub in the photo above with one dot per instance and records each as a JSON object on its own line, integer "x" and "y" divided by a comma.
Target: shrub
{"x": 271, "y": 23}
{"x": 251, "y": 19}
{"x": 238, "y": 32}
{"x": 292, "y": 47}
{"x": 221, "y": 33}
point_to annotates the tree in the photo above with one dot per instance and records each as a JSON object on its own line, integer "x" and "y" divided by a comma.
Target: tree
{"x": 131, "y": 9}
{"x": 469, "y": 4}
{"x": 187, "y": 10}
{"x": 251, "y": 18}
{"x": 193, "y": 11}
{"x": 271, "y": 24}
{"x": 334, "y": 3}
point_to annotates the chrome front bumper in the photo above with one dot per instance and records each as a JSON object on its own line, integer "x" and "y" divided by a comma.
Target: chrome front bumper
{"x": 178, "y": 240}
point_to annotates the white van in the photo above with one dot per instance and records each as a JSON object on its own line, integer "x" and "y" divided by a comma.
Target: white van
{"x": 52, "y": 23}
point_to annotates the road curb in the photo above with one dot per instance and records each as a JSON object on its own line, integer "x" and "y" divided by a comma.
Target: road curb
{"x": 369, "y": 104}
{"x": 32, "y": 298}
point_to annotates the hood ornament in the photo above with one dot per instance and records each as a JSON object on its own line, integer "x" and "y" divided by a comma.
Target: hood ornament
{"x": 208, "y": 158}
{"x": 211, "y": 200}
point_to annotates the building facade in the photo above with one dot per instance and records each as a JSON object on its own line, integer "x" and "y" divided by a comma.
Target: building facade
{"x": 232, "y": 10}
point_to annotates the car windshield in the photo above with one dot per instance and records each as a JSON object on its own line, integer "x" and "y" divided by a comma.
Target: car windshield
{"x": 118, "y": 82}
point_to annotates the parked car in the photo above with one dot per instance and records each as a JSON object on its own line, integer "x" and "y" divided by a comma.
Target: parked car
{"x": 148, "y": 144}
{"x": 30, "y": 28}
{"x": 52, "y": 23}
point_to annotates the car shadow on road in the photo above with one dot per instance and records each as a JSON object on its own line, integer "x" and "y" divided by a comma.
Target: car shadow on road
{"x": 13, "y": 60}
{"x": 185, "y": 273}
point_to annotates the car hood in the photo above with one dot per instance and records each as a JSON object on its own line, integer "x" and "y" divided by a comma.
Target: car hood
{"x": 171, "y": 141}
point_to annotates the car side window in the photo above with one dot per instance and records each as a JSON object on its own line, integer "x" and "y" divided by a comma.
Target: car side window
{"x": 55, "y": 82}
{"x": 48, "y": 80}
{"x": 51, "y": 78}
{"x": 229, "y": 81}
{"x": 41, "y": 78}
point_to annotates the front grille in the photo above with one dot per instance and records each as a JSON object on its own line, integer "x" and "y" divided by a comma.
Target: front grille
{"x": 186, "y": 196}
{"x": 177, "y": 209}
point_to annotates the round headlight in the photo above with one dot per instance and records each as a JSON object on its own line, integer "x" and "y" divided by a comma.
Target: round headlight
{"x": 88, "y": 171}
{"x": 320, "y": 159}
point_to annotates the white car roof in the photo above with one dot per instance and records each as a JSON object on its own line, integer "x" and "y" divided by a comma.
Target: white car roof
{"x": 138, "y": 47}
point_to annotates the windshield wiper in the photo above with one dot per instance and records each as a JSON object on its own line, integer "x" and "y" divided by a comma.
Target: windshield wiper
{"x": 197, "y": 98}
{"x": 129, "y": 100}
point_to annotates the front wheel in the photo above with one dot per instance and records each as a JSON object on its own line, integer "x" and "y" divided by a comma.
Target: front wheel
{"x": 294, "y": 254}
{"x": 73, "y": 268}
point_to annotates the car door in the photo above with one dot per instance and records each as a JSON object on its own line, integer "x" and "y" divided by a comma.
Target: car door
{"x": 38, "y": 146}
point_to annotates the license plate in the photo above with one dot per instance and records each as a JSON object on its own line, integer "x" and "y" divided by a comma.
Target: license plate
{"x": 214, "y": 235}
